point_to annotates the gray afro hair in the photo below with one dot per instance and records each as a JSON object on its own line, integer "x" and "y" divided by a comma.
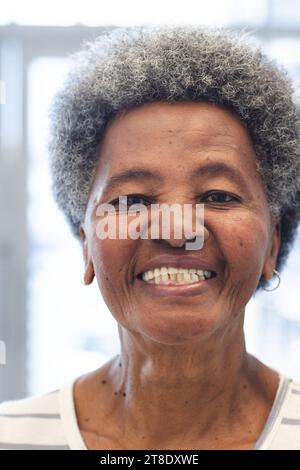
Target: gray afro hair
{"x": 130, "y": 66}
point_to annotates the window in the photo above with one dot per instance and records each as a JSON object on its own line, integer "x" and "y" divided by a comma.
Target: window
{"x": 71, "y": 330}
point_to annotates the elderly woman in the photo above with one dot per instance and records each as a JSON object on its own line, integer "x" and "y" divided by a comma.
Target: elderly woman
{"x": 185, "y": 115}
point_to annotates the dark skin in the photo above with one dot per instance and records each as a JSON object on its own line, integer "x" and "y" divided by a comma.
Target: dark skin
{"x": 183, "y": 379}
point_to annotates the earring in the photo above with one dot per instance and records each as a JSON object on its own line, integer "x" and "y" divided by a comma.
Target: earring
{"x": 278, "y": 277}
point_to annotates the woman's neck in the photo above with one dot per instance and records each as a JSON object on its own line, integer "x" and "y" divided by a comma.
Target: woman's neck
{"x": 162, "y": 395}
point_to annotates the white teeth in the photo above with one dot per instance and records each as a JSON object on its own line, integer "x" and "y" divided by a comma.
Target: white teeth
{"x": 172, "y": 270}
{"x": 165, "y": 274}
{"x": 207, "y": 274}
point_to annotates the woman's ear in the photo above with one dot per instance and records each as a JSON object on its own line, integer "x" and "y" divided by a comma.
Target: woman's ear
{"x": 89, "y": 274}
{"x": 270, "y": 263}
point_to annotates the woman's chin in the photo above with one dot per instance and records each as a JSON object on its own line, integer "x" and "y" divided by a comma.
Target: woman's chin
{"x": 175, "y": 324}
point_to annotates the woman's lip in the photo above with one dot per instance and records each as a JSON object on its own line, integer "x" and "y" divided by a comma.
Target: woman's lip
{"x": 162, "y": 290}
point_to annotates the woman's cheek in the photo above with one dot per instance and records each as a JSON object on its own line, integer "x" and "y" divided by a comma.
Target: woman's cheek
{"x": 243, "y": 243}
{"x": 113, "y": 261}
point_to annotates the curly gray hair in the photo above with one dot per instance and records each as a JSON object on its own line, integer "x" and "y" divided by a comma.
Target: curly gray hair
{"x": 129, "y": 66}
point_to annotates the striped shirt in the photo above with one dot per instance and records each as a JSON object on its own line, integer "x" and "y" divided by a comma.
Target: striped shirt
{"x": 49, "y": 421}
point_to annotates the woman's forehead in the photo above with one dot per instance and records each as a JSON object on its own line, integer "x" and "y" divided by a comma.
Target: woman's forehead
{"x": 186, "y": 124}
{"x": 164, "y": 135}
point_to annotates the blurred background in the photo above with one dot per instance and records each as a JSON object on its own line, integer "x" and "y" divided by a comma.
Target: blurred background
{"x": 53, "y": 328}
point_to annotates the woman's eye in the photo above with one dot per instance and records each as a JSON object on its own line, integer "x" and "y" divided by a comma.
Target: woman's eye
{"x": 220, "y": 197}
{"x": 127, "y": 201}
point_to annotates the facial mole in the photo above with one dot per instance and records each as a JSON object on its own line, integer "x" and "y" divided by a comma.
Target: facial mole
{"x": 124, "y": 394}
{"x": 87, "y": 420}
{"x": 104, "y": 381}
{"x": 116, "y": 393}
{"x": 120, "y": 365}
{"x": 241, "y": 243}
{"x": 106, "y": 278}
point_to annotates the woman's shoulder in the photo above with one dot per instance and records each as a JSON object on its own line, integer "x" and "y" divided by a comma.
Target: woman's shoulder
{"x": 32, "y": 423}
{"x": 291, "y": 408}
{"x": 283, "y": 431}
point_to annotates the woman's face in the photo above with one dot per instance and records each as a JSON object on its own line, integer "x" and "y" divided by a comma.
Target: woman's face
{"x": 179, "y": 143}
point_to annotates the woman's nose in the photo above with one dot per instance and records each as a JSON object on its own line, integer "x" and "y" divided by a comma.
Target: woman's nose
{"x": 179, "y": 231}
{"x": 191, "y": 241}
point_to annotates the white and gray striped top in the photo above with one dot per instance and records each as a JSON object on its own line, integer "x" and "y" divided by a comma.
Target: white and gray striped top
{"x": 49, "y": 421}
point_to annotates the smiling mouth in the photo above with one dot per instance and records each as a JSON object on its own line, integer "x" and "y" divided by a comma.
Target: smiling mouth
{"x": 171, "y": 276}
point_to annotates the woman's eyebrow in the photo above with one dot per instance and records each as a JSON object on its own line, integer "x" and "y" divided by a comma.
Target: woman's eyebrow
{"x": 144, "y": 174}
{"x": 222, "y": 169}
{"x": 132, "y": 174}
